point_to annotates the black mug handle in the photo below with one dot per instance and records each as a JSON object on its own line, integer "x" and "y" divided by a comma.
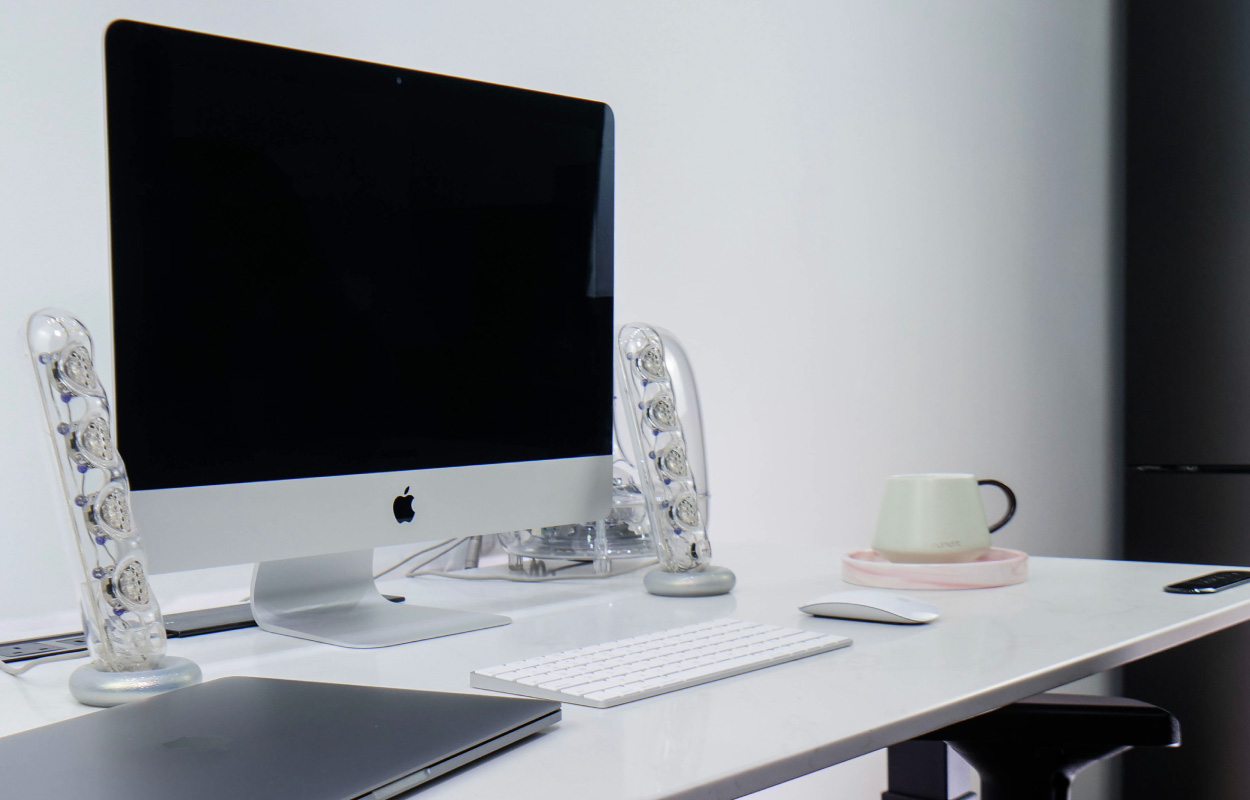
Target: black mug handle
{"x": 1011, "y": 503}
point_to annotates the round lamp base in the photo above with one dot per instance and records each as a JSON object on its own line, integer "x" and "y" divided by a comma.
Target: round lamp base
{"x": 702, "y": 583}
{"x": 95, "y": 687}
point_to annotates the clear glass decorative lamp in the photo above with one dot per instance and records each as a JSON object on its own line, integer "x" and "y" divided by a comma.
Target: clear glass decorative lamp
{"x": 121, "y": 619}
{"x": 660, "y": 403}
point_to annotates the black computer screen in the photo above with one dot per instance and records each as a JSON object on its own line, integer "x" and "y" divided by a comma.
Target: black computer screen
{"x": 328, "y": 267}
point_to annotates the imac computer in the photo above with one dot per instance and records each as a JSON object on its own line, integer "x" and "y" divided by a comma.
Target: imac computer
{"x": 353, "y": 306}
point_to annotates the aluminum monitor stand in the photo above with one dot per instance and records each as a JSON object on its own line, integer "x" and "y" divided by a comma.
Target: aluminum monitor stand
{"x": 333, "y": 599}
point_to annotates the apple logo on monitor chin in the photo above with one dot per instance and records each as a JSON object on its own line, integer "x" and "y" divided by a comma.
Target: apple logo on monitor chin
{"x": 403, "y": 507}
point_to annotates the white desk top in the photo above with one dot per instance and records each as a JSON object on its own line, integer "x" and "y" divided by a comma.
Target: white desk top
{"x": 991, "y": 646}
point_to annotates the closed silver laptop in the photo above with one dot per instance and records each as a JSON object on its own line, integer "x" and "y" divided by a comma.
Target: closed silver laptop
{"x": 244, "y": 738}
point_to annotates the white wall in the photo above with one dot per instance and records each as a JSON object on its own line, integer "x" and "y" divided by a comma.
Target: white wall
{"x": 881, "y": 227}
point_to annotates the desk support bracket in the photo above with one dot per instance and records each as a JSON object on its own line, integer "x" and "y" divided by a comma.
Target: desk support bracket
{"x": 920, "y": 770}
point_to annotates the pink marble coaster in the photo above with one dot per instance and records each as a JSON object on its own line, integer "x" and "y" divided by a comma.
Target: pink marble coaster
{"x": 997, "y": 567}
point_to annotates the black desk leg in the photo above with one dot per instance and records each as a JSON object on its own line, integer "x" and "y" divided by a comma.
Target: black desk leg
{"x": 923, "y": 771}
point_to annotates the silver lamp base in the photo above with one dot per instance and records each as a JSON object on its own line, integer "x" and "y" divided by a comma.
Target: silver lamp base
{"x": 96, "y": 687}
{"x": 706, "y": 582}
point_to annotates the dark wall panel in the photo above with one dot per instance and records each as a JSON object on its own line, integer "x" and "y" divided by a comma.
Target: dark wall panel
{"x": 1187, "y": 232}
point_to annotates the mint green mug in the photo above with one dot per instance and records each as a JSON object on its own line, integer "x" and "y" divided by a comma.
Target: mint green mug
{"x": 936, "y": 518}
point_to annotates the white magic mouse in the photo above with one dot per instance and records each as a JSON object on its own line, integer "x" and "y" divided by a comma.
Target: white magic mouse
{"x": 871, "y": 606}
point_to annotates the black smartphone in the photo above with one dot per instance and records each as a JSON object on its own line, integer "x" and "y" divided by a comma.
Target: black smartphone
{"x": 208, "y": 620}
{"x": 1212, "y": 582}
{"x": 225, "y": 618}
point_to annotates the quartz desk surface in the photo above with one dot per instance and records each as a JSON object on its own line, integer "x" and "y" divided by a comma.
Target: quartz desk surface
{"x": 1072, "y": 618}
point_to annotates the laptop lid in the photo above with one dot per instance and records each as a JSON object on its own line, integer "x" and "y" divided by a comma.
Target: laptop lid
{"x": 243, "y": 738}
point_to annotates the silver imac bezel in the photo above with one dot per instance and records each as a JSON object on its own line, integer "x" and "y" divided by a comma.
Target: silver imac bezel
{"x": 305, "y": 584}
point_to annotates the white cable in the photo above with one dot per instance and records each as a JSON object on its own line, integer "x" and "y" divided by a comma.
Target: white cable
{"x": 414, "y": 555}
{"x": 454, "y": 544}
{"x": 34, "y": 662}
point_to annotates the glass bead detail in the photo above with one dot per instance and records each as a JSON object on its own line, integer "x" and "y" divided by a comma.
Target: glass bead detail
{"x": 113, "y": 511}
{"x": 673, "y": 461}
{"x": 651, "y": 362}
{"x": 686, "y": 512}
{"x": 97, "y": 440}
{"x": 131, "y": 584}
{"x": 662, "y": 412}
{"x": 77, "y": 368}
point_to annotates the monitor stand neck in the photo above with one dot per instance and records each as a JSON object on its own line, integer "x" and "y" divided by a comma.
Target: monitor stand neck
{"x": 333, "y": 599}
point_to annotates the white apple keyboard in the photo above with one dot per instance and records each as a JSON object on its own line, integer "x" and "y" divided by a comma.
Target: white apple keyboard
{"x": 613, "y": 673}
